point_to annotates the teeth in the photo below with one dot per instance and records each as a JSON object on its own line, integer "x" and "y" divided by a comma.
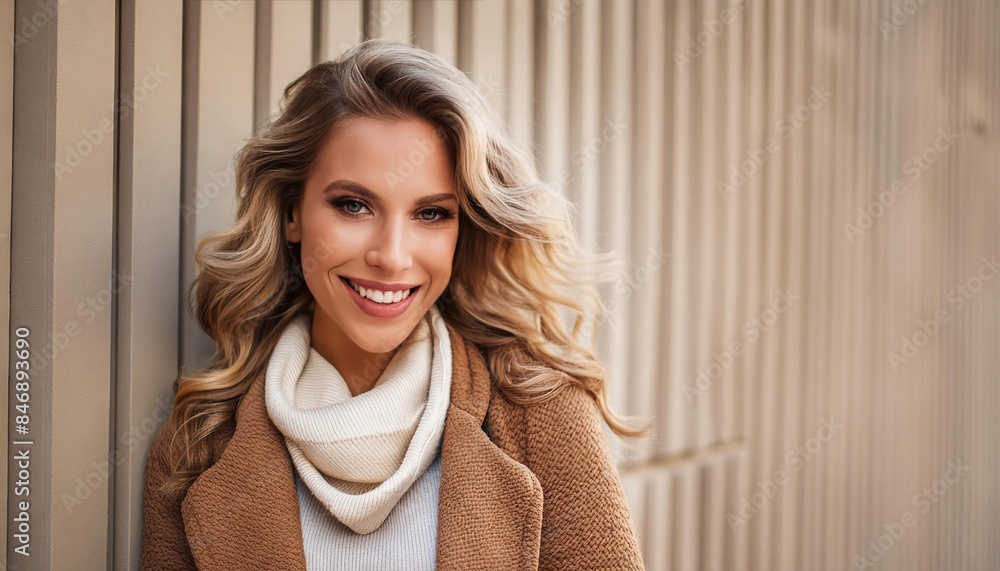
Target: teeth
{"x": 380, "y": 296}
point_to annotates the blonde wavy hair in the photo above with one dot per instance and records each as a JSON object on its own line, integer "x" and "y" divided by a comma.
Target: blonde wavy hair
{"x": 519, "y": 270}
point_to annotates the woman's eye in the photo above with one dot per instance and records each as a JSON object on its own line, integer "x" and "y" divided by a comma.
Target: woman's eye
{"x": 434, "y": 215}
{"x": 351, "y": 206}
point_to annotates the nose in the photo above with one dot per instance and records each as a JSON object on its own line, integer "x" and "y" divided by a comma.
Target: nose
{"x": 390, "y": 249}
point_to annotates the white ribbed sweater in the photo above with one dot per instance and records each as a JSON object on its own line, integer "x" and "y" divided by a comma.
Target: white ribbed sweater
{"x": 407, "y": 540}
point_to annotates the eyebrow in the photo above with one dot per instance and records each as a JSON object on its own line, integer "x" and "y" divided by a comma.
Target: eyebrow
{"x": 351, "y": 186}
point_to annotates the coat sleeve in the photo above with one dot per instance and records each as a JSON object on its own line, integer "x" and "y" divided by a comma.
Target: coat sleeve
{"x": 164, "y": 542}
{"x": 586, "y": 522}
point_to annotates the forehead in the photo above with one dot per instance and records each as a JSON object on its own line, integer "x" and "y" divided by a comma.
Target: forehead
{"x": 399, "y": 156}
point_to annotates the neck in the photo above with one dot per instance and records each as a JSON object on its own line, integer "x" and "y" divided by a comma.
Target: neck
{"x": 359, "y": 368}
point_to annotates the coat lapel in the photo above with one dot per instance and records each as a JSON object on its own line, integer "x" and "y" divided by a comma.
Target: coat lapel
{"x": 490, "y": 505}
{"x": 243, "y": 512}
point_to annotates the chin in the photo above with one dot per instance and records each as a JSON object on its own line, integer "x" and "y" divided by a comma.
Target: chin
{"x": 376, "y": 348}
{"x": 382, "y": 339}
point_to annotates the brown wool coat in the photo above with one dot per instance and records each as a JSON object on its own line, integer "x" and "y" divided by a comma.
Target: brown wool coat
{"x": 521, "y": 488}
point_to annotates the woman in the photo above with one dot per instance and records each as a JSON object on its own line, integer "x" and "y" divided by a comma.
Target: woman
{"x": 394, "y": 387}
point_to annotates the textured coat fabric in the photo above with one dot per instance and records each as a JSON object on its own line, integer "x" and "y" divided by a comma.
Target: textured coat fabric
{"x": 521, "y": 488}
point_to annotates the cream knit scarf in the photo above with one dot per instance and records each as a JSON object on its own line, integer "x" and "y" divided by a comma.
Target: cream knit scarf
{"x": 359, "y": 455}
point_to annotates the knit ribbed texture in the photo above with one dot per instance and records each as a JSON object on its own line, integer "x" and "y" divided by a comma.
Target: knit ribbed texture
{"x": 406, "y": 540}
{"x": 359, "y": 455}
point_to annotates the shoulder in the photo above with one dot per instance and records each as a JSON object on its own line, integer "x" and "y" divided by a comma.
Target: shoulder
{"x": 569, "y": 405}
{"x": 562, "y": 442}
{"x": 564, "y": 430}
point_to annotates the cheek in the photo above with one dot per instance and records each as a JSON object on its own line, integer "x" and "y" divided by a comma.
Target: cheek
{"x": 437, "y": 254}
{"x": 326, "y": 245}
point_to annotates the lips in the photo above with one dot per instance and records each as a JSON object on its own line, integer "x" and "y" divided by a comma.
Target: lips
{"x": 356, "y": 285}
{"x": 376, "y": 309}
{"x": 369, "y": 284}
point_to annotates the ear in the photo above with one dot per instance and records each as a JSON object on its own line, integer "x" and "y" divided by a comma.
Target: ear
{"x": 293, "y": 225}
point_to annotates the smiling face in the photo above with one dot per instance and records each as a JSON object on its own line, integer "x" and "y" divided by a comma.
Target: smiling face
{"x": 378, "y": 215}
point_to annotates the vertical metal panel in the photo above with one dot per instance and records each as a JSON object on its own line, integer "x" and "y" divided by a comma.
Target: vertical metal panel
{"x": 698, "y": 434}
{"x": 668, "y": 393}
{"x": 796, "y": 147}
{"x": 482, "y": 48}
{"x": 435, "y": 28}
{"x": 860, "y": 394}
{"x": 681, "y": 373}
{"x": 689, "y": 534}
{"x": 520, "y": 71}
{"x": 616, "y": 172}
{"x": 657, "y": 539}
{"x": 713, "y": 513}
{"x": 82, "y": 267}
{"x": 733, "y": 389}
{"x": 6, "y": 167}
{"x": 64, "y": 288}
{"x": 218, "y": 116}
{"x": 750, "y": 199}
{"x": 845, "y": 112}
{"x": 635, "y": 495}
{"x": 581, "y": 175}
{"x": 551, "y": 87}
{"x": 284, "y": 50}
{"x": 731, "y": 414}
{"x": 815, "y": 305}
{"x": 31, "y": 286}
{"x": 389, "y": 19}
{"x": 705, "y": 138}
{"x": 648, "y": 251}
{"x": 148, "y": 243}
{"x": 708, "y": 70}
{"x": 768, "y": 428}
{"x": 339, "y": 25}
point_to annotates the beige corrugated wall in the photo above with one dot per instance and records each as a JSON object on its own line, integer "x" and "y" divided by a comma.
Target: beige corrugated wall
{"x": 807, "y": 194}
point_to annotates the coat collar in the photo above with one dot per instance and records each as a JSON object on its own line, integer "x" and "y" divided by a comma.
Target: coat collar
{"x": 242, "y": 512}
